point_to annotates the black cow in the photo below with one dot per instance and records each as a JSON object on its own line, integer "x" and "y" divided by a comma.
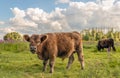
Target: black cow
{"x": 106, "y": 43}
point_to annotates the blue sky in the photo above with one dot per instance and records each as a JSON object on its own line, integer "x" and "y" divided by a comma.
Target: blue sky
{"x": 5, "y": 6}
{"x": 46, "y": 5}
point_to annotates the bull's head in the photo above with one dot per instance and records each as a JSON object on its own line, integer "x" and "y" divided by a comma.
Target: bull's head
{"x": 35, "y": 41}
{"x": 98, "y": 47}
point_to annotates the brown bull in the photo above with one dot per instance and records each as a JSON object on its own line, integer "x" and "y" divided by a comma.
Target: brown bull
{"x": 51, "y": 45}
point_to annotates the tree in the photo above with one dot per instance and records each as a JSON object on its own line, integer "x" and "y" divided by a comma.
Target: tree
{"x": 86, "y": 37}
{"x": 13, "y": 36}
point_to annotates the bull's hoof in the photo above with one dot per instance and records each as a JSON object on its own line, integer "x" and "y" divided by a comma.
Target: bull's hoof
{"x": 82, "y": 68}
{"x": 43, "y": 70}
{"x": 67, "y": 67}
{"x": 51, "y": 72}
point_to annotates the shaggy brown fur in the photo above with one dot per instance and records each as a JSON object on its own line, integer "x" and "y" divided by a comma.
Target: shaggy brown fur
{"x": 51, "y": 45}
{"x": 106, "y": 43}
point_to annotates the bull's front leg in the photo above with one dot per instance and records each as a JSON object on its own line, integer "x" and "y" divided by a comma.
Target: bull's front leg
{"x": 45, "y": 62}
{"x": 109, "y": 48}
{"x": 71, "y": 59}
{"x": 51, "y": 64}
{"x": 113, "y": 47}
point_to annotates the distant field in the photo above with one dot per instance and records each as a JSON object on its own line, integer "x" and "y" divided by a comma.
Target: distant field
{"x": 17, "y": 62}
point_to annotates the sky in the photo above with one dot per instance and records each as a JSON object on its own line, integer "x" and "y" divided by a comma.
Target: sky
{"x": 42, "y": 16}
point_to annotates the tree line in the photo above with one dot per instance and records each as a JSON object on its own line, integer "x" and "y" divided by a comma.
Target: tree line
{"x": 93, "y": 34}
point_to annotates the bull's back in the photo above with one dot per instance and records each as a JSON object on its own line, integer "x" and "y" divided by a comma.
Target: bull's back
{"x": 74, "y": 36}
{"x": 105, "y": 43}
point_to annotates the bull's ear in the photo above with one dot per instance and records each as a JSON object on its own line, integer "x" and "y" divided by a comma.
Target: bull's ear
{"x": 26, "y": 37}
{"x": 43, "y": 38}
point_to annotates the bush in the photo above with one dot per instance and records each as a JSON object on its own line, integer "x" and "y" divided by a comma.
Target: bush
{"x": 15, "y": 36}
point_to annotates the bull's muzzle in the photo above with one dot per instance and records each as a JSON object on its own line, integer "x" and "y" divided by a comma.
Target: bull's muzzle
{"x": 33, "y": 49}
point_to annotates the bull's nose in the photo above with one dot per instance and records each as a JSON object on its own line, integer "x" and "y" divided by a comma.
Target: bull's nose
{"x": 33, "y": 48}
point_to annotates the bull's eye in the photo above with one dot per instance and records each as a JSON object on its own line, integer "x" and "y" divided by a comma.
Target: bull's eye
{"x": 32, "y": 42}
{"x": 38, "y": 42}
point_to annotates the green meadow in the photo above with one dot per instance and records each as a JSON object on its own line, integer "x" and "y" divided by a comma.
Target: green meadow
{"x": 16, "y": 61}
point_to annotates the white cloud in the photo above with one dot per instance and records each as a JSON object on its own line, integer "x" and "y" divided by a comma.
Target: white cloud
{"x": 1, "y": 22}
{"x": 56, "y": 25}
{"x": 17, "y": 12}
{"x": 106, "y": 4}
{"x": 6, "y": 30}
{"x": 35, "y": 20}
{"x": 76, "y": 16}
{"x": 36, "y": 14}
{"x": 76, "y": 4}
{"x": 62, "y": 1}
{"x": 20, "y": 18}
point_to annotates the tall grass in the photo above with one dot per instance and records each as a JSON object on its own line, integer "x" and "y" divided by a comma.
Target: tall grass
{"x": 17, "y": 62}
{"x": 14, "y": 46}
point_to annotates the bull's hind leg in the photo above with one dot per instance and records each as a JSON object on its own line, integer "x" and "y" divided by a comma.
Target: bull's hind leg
{"x": 80, "y": 56}
{"x": 81, "y": 59}
{"x": 71, "y": 59}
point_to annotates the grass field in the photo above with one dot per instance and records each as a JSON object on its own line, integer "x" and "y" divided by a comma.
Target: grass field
{"x": 17, "y": 62}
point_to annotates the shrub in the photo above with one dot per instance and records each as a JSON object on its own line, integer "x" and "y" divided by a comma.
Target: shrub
{"x": 15, "y": 36}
